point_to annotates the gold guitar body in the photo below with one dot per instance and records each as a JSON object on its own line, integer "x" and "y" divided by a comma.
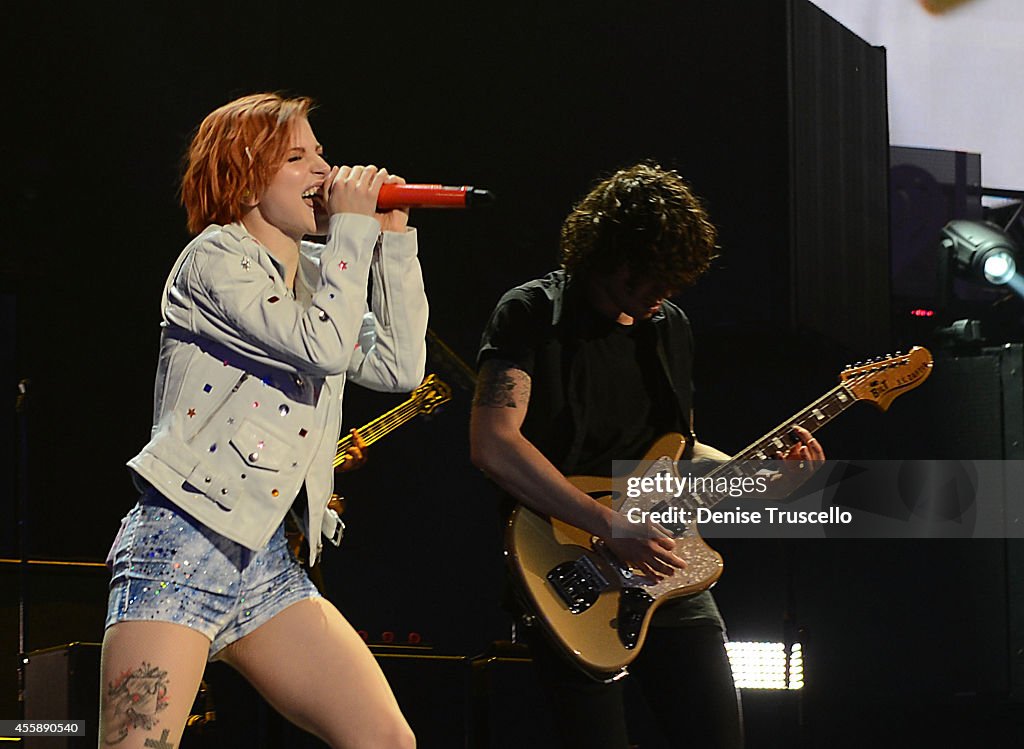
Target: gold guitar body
{"x": 555, "y": 564}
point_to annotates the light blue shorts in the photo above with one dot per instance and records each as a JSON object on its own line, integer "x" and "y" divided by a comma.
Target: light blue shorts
{"x": 169, "y": 567}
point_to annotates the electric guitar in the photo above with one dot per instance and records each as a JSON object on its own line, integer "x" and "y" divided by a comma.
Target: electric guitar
{"x": 595, "y": 608}
{"x": 431, "y": 393}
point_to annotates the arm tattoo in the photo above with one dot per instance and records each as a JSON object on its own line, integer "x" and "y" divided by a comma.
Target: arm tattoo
{"x": 133, "y": 700}
{"x": 502, "y": 385}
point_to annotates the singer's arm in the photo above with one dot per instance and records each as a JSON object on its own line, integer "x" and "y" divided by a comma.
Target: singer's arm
{"x": 391, "y": 351}
{"x": 391, "y": 356}
{"x": 227, "y": 290}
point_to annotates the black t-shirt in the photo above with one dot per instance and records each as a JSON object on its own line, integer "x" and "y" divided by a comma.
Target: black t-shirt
{"x": 625, "y": 378}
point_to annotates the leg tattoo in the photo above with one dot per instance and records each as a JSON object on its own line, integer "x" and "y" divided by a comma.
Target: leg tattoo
{"x": 133, "y": 700}
{"x": 163, "y": 743}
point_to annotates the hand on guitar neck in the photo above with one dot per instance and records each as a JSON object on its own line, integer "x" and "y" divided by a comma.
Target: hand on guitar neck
{"x": 799, "y": 462}
{"x": 353, "y": 456}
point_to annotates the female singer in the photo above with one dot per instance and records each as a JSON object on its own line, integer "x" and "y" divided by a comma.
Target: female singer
{"x": 261, "y": 329}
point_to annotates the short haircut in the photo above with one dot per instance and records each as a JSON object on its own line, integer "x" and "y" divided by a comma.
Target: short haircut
{"x": 234, "y": 155}
{"x": 646, "y": 217}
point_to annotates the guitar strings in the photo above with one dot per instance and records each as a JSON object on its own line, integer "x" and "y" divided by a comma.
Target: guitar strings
{"x": 804, "y": 415}
{"x": 378, "y": 427}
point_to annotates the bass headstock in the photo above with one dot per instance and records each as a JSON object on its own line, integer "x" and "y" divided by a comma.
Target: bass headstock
{"x": 431, "y": 393}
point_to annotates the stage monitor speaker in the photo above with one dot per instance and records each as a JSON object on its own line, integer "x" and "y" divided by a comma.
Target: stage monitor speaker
{"x": 970, "y": 408}
{"x": 63, "y": 682}
{"x": 66, "y": 602}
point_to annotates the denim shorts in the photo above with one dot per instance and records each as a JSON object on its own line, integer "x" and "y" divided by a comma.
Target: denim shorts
{"x": 169, "y": 567}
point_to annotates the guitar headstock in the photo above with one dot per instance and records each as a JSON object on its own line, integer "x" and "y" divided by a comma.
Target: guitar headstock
{"x": 883, "y": 379}
{"x": 431, "y": 393}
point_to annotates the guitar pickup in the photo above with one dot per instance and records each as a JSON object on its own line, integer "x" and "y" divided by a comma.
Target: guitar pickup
{"x": 578, "y": 583}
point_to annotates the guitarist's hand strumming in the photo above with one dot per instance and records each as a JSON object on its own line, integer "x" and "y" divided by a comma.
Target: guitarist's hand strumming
{"x": 645, "y": 548}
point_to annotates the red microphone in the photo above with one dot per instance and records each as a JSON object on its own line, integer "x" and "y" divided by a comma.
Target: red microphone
{"x": 432, "y": 196}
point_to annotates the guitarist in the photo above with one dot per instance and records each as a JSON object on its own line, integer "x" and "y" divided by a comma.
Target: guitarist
{"x": 591, "y": 364}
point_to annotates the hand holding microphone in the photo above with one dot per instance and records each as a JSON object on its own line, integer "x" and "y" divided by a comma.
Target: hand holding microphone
{"x": 354, "y": 189}
{"x": 373, "y": 192}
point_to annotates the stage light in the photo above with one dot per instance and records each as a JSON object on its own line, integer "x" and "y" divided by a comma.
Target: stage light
{"x": 766, "y": 665}
{"x": 980, "y": 251}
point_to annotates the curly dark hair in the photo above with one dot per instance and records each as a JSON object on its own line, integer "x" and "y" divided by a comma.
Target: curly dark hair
{"x": 645, "y": 216}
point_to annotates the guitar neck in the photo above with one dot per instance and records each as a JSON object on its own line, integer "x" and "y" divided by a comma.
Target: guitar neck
{"x": 383, "y": 425}
{"x": 813, "y": 417}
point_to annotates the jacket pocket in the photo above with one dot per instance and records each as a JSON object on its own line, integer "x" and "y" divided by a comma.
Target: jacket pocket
{"x": 200, "y": 473}
{"x": 211, "y": 481}
{"x": 262, "y": 447}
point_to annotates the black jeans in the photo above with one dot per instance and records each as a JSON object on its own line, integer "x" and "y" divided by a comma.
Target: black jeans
{"x": 684, "y": 675}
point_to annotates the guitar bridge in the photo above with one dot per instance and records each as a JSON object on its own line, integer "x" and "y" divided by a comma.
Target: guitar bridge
{"x": 578, "y": 583}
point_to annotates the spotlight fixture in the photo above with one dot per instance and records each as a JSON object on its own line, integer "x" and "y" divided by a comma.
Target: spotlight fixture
{"x": 980, "y": 251}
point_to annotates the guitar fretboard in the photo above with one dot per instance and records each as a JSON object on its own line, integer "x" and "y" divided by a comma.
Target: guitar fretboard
{"x": 815, "y": 416}
{"x": 380, "y": 427}
{"x": 745, "y": 463}
{"x": 879, "y": 380}
{"x": 428, "y": 396}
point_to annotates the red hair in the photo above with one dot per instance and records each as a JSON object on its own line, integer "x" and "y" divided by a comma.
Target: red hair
{"x": 234, "y": 155}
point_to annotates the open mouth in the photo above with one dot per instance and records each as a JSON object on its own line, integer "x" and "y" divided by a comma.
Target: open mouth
{"x": 313, "y": 197}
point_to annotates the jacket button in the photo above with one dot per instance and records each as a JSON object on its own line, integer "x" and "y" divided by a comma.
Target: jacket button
{"x": 253, "y": 457}
{"x": 283, "y": 409}
{"x": 208, "y": 479}
{"x": 223, "y": 491}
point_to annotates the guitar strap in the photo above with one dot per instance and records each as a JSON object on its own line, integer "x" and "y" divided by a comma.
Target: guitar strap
{"x": 684, "y": 416}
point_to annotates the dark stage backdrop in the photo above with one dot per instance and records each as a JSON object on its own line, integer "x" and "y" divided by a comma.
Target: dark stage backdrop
{"x": 532, "y": 100}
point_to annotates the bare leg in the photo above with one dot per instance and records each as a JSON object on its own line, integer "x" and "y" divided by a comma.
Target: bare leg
{"x": 312, "y": 666}
{"x": 149, "y": 677}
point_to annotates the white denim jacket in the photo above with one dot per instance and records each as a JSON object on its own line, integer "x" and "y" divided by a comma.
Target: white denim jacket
{"x": 247, "y": 404}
